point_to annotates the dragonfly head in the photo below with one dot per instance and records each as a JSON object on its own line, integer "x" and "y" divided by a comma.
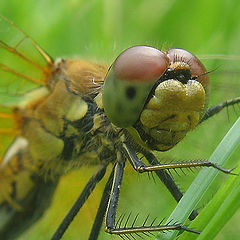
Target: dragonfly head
{"x": 157, "y": 96}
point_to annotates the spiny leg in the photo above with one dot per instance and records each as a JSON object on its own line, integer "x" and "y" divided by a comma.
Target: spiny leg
{"x": 79, "y": 203}
{"x": 219, "y": 107}
{"x": 115, "y": 228}
{"x": 102, "y": 209}
{"x": 140, "y": 167}
{"x": 168, "y": 181}
{"x": 160, "y": 170}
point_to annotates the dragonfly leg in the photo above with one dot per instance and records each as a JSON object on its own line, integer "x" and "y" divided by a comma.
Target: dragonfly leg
{"x": 117, "y": 228}
{"x": 79, "y": 202}
{"x": 160, "y": 170}
{"x": 102, "y": 209}
{"x": 217, "y": 108}
{"x": 140, "y": 167}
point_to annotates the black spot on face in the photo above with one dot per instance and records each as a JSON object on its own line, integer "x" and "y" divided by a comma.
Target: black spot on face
{"x": 130, "y": 92}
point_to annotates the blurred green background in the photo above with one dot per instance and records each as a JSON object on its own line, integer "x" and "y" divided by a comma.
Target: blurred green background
{"x": 99, "y": 30}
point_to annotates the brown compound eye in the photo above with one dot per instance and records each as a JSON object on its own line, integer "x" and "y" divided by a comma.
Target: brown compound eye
{"x": 129, "y": 82}
{"x": 140, "y": 64}
{"x": 197, "y": 68}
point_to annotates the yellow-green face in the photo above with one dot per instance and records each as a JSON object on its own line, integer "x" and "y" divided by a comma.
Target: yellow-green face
{"x": 157, "y": 96}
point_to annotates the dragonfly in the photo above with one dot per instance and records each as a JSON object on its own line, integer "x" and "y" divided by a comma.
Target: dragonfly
{"x": 59, "y": 115}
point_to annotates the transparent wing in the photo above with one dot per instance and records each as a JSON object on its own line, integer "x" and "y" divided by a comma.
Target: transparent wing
{"x": 23, "y": 65}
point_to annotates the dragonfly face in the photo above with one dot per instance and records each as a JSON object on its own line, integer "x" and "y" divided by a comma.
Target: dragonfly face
{"x": 163, "y": 101}
{"x": 67, "y": 117}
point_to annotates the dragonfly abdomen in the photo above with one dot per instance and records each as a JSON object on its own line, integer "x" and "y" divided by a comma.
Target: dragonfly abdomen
{"x": 24, "y": 194}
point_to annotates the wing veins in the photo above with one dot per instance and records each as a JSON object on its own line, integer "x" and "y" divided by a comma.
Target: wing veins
{"x": 40, "y": 50}
{"x": 16, "y": 52}
{"x": 10, "y": 70}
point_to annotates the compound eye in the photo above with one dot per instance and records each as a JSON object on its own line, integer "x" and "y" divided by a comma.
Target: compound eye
{"x": 129, "y": 82}
{"x": 140, "y": 64}
{"x": 197, "y": 68}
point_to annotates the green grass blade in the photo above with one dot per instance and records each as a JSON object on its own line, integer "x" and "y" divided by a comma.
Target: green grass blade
{"x": 202, "y": 182}
{"x": 219, "y": 210}
{"x": 229, "y": 206}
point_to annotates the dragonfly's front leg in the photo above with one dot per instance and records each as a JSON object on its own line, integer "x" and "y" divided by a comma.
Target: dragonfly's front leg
{"x": 140, "y": 167}
{"x": 164, "y": 176}
{"x": 117, "y": 228}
